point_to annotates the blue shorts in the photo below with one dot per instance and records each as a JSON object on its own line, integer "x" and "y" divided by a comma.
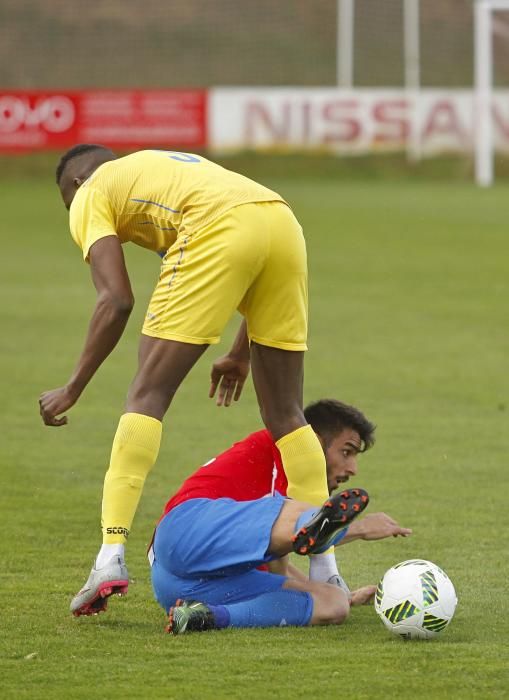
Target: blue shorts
{"x": 208, "y": 550}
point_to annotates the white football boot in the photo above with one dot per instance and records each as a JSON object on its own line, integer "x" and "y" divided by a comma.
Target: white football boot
{"x": 101, "y": 584}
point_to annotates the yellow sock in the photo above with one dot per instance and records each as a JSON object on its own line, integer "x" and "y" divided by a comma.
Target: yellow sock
{"x": 305, "y": 467}
{"x": 304, "y": 463}
{"x": 134, "y": 452}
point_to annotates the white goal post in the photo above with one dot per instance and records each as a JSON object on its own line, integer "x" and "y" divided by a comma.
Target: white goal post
{"x": 345, "y": 48}
{"x": 485, "y": 26}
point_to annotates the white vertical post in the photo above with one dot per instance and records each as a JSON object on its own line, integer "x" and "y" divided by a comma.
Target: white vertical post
{"x": 483, "y": 77}
{"x": 344, "y": 43}
{"x": 411, "y": 45}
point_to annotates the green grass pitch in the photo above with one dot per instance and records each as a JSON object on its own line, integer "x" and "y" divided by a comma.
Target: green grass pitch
{"x": 409, "y": 320}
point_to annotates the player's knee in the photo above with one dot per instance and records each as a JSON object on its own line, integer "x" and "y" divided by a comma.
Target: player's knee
{"x": 340, "y": 609}
{"x": 331, "y": 607}
{"x": 337, "y": 605}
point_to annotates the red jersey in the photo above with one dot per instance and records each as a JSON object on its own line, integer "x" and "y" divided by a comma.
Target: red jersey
{"x": 250, "y": 469}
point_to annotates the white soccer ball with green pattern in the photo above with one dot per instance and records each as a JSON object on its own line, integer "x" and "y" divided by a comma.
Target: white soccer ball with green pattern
{"x": 415, "y": 599}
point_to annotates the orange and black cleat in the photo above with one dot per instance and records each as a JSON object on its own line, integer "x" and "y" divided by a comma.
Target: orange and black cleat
{"x": 327, "y": 527}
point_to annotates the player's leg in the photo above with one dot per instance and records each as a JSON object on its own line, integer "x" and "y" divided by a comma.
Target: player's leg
{"x": 216, "y": 537}
{"x": 295, "y": 604}
{"x": 275, "y": 308}
{"x": 277, "y": 375}
{"x": 205, "y": 550}
{"x": 245, "y": 600}
{"x": 278, "y": 609}
{"x": 306, "y": 529}
{"x": 276, "y": 311}
{"x": 200, "y": 285}
{"x": 163, "y": 365}
{"x": 278, "y": 378}
{"x": 212, "y": 538}
{"x": 330, "y": 604}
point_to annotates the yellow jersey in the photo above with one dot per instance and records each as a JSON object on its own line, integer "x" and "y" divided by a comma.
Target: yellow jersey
{"x": 151, "y": 197}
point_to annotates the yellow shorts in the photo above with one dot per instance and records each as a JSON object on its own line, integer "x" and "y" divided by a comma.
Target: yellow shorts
{"x": 252, "y": 258}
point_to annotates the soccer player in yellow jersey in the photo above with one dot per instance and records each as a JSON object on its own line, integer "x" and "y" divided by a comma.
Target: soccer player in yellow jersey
{"x": 226, "y": 243}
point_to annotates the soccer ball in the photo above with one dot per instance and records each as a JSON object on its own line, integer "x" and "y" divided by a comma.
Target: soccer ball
{"x": 415, "y": 599}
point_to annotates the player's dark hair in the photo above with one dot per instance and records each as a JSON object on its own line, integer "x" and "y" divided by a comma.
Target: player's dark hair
{"x": 78, "y": 150}
{"x": 329, "y": 417}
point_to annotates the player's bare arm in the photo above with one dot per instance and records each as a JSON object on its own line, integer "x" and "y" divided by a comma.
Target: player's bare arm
{"x": 230, "y": 371}
{"x": 376, "y": 526}
{"x": 112, "y": 309}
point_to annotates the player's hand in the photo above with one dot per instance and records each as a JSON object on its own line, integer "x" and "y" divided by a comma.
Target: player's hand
{"x": 377, "y": 526}
{"x": 363, "y": 596}
{"x": 228, "y": 374}
{"x": 54, "y": 403}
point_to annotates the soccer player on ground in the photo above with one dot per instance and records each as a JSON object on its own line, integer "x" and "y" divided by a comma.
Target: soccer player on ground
{"x": 231, "y": 516}
{"x": 226, "y": 243}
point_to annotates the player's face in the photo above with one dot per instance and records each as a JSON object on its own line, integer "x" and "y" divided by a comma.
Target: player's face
{"x": 341, "y": 457}
{"x": 78, "y": 170}
{"x": 67, "y": 190}
{"x": 72, "y": 178}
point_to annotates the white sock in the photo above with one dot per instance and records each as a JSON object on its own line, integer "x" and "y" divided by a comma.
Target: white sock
{"x": 106, "y": 552}
{"x": 322, "y": 567}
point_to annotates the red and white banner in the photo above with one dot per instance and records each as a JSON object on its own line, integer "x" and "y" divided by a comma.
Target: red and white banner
{"x": 230, "y": 119}
{"x": 37, "y": 120}
{"x": 349, "y": 121}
